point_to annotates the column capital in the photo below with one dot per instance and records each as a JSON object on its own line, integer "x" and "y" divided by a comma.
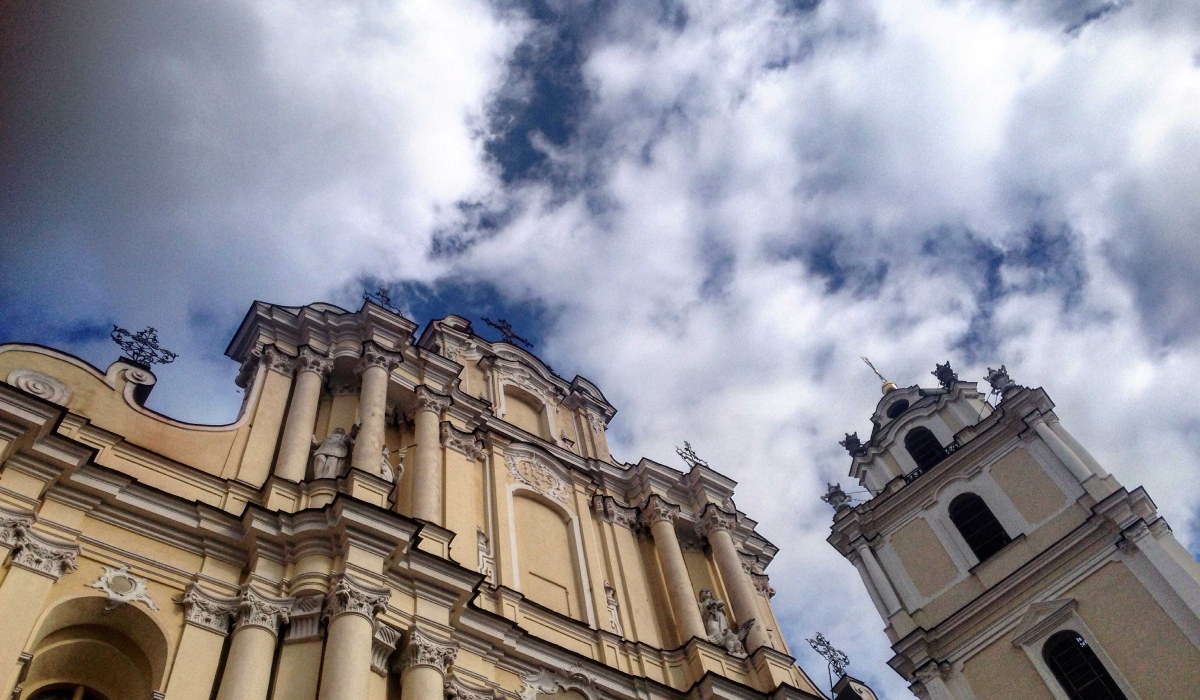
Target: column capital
{"x": 430, "y": 400}
{"x": 305, "y": 619}
{"x": 207, "y": 611}
{"x": 715, "y": 519}
{"x": 257, "y": 609}
{"x": 424, "y": 650}
{"x": 350, "y": 597}
{"x": 467, "y": 444}
{"x": 43, "y": 555}
{"x": 277, "y": 360}
{"x": 375, "y": 356}
{"x": 310, "y": 360}
{"x": 657, "y": 510}
{"x": 11, "y": 523}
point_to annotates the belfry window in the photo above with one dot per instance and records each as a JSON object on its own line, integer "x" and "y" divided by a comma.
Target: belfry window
{"x": 924, "y": 448}
{"x": 975, "y": 522}
{"x": 1077, "y": 668}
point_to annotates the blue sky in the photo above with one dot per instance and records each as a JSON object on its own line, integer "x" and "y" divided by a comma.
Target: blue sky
{"x": 711, "y": 209}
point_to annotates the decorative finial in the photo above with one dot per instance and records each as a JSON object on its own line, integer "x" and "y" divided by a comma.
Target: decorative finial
{"x": 999, "y": 380}
{"x": 853, "y": 445}
{"x": 689, "y": 455}
{"x": 382, "y": 297}
{"x": 888, "y": 385}
{"x": 945, "y": 376}
{"x": 142, "y": 347}
{"x": 509, "y": 336}
{"x": 836, "y": 659}
{"x": 836, "y": 497}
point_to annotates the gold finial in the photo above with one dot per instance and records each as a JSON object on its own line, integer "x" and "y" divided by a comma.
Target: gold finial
{"x": 888, "y": 385}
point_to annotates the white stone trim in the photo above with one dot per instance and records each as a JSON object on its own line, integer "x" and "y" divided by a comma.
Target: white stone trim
{"x": 1042, "y": 620}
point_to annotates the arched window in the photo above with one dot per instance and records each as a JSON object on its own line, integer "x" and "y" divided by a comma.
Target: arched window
{"x": 897, "y": 408}
{"x": 1077, "y": 668}
{"x": 924, "y": 448}
{"x": 974, "y": 520}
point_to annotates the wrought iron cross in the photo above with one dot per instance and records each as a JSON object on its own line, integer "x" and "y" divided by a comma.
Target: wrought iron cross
{"x": 382, "y": 297}
{"x": 689, "y": 455}
{"x": 835, "y": 658}
{"x": 506, "y": 328}
{"x": 142, "y": 347}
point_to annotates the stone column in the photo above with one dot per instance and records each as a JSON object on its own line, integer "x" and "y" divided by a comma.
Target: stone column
{"x": 38, "y": 562}
{"x": 350, "y": 608}
{"x": 374, "y": 368}
{"x": 294, "y": 447}
{"x": 247, "y": 673}
{"x": 1078, "y": 469}
{"x": 422, "y": 666}
{"x": 207, "y": 619}
{"x": 715, "y": 525}
{"x": 659, "y": 516}
{"x": 882, "y": 585}
{"x": 427, "y": 467}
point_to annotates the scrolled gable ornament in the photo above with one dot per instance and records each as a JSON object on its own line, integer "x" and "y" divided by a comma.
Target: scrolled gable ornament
{"x": 40, "y": 385}
{"x": 535, "y": 471}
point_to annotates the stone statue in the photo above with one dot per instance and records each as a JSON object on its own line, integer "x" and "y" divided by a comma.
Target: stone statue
{"x": 331, "y": 454}
{"x": 385, "y": 468}
{"x": 614, "y": 617}
{"x": 716, "y": 625}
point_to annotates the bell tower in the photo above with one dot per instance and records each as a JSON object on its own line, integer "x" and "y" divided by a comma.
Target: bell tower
{"x": 1005, "y": 561}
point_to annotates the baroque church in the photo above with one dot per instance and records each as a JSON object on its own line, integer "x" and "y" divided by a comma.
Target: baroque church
{"x": 394, "y": 516}
{"x": 1006, "y": 561}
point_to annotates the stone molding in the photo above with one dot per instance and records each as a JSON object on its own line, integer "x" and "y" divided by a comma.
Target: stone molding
{"x": 383, "y": 643}
{"x": 207, "y": 611}
{"x": 715, "y": 519}
{"x": 430, "y": 400}
{"x": 40, "y": 385}
{"x": 351, "y": 597}
{"x": 277, "y": 361}
{"x": 657, "y": 510}
{"x": 423, "y": 650}
{"x": 538, "y": 473}
{"x": 310, "y": 360}
{"x": 375, "y": 356}
{"x": 610, "y": 510}
{"x": 122, "y": 587}
{"x": 43, "y": 555}
{"x": 257, "y": 609}
{"x": 305, "y": 622}
{"x": 466, "y": 444}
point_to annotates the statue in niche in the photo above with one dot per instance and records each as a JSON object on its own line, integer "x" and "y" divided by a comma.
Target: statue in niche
{"x": 331, "y": 454}
{"x": 385, "y": 467}
{"x": 716, "y": 624}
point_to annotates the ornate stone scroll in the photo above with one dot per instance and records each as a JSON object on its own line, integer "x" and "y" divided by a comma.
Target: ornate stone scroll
{"x": 536, "y": 471}
{"x": 349, "y": 597}
{"x": 43, "y": 555}
{"x": 423, "y": 650}
{"x": 609, "y": 510}
{"x": 40, "y": 385}
{"x": 383, "y": 643}
{"x": 466, "y": 444}
{"x": 208, "y": 611}
{"x": 122, "y": 587}
{"x": 257, "y": 609}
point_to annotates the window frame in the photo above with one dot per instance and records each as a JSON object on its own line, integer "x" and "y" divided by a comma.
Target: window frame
{"x": 957, "y": 528}
{"x": 1033, "y": 640}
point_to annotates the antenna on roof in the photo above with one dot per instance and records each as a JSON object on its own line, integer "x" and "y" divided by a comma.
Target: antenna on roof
{"x": 888, "y": 385}
{"x": 506, "y": 328}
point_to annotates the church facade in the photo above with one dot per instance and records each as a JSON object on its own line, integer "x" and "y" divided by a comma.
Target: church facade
{"x": 390, "y": 516}
{"x": 1005, "y": 561}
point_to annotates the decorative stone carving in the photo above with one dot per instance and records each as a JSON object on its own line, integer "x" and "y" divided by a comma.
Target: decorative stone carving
{"x": 749, "y": 562}
{"x": 546, "y": 682}
{"x": 762, "y": 584}
{"x": 487, "y": 561}
{"x": 43, "y": 555}
{"x": 614, "y": 615}
{"x": 429, "y": 400}
{"x": 999, "y": 380}
{"x": 277, "y": 361}
{"x": 375, "y": 356}
{"x": 40, "y": 385}
{"x": 836, "y": 497}
{"x": 261, "y": 610}
{"x": 424, "y": 650}
{"x": 945, "y": 376}
{"x": 714, "y": 519}
{"x": 349, "y": 597}
{"x": 853, "y": 444}
{"x": 596, "y": 422}
{"x": 208, "y": 611}
{"x": 467, "y": 444}
{"x": 305, "y": 623}
{"x": 11, "y": 523}
{"x": 385, "y": 468}
{"x": 122, "y": 587}
{"x": 656, "y": 510}
{"x": 535, "y": 471}
{"x": 455, "y": 689}
{"x": 383, "y": 643}
{"x": 716, "y": 625}
{"x": 331, "y": 453}
{"x": 609, "y": 510}
{"x": 137, "y": 375}
{"x": 310, "y": 360}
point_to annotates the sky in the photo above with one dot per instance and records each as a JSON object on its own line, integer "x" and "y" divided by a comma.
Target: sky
{"x": 711, "y": 209}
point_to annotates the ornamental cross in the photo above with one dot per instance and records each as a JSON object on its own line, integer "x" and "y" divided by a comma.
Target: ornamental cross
{"x": 506, "y": 328}
{"x": 689, "y": 455}
{"x": 837, "y": 660}
{"x": 382, "y": 297}
{"x": 142, "y": 347}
